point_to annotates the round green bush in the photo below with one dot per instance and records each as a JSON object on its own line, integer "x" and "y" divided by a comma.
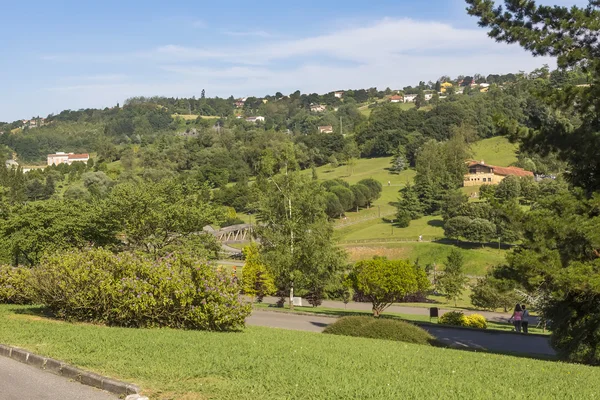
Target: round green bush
{"x": 380, "y": 328}
{"x": 455, "y": 318}
{"x": 128, "y": 290}
{"x": 15, "y": 285}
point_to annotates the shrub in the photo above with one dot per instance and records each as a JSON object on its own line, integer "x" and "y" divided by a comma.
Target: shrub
{"x": 455, "y": 318}
{"x": 476, "y": 321}
{"x": 15, "y": 285}
{"x": 128, "y": 290}
{"x": 380, "y": 328}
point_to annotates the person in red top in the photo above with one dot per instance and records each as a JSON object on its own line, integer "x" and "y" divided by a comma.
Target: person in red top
{"x": 517, "y": 318}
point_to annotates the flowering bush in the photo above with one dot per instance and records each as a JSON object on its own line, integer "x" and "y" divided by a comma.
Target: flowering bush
{"x": 455, "y": 318}
{"x": 476, "y": 321}
{"x": 128, "y": 290}
{"x": 15, "y": 286}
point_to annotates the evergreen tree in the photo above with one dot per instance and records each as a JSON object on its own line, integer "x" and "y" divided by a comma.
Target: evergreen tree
{"x": 452, "y": 282}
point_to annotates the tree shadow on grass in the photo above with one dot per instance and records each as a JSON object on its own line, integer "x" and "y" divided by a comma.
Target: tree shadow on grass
{"x": 436, "y": 222}
{"x": 473, "y": 245}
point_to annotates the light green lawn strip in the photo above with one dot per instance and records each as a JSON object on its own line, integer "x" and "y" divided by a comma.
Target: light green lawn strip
{"x": 495, "y": 151}
{"x": 263, "y": 363}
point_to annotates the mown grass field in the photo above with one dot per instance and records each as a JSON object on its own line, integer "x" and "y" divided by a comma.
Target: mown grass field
{"x": 477, "y": 259}
{"x": 264, "y": 363}
{"x": 495, "y": 151}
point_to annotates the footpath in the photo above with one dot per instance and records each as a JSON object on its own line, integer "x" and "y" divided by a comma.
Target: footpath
{"x": 401, "y": 309}
{"x": 495, "y": 341}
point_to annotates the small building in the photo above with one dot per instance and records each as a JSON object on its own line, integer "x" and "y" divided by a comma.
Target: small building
{"x": 326, "y": 129}
{"x": 481, "y": 173}
{"x": 255, "y": 119}
{"x": 339, "y": 94}
{"x": 11, "y": 163}
{"x": 428, "y": 96}
{"x": 318, "y": 108}
{"x": 67, "y": 158}
{"x": 410, "y": 98}
{"x": 396, "y": 99}
{"x": 239, "y": 103}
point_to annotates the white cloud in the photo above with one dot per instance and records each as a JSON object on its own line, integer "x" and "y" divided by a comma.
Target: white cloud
{"x": 388, "y": 52}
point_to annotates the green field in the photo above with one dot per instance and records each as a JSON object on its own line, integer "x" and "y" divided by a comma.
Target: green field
{"x": 477, "y": 259}
{"x": 264, "y": 363}
{"x": 495, "y": 151}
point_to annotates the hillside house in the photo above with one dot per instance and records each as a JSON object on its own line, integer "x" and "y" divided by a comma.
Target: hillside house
{"x": 326, "y": 129}
{"x": 481, "y": 173}
{"x": 428, "y": 96}
{"x": 339, "y": 94}
{"x": 239, "y": 103}
{"x": 396, "y": 99}
{"x": 410, "y": 98}
{"x": 67, "y": 158}
{"x": 11, "y": 163}
{"x": 255, "y": 119}
{"x": 318, "y": 108}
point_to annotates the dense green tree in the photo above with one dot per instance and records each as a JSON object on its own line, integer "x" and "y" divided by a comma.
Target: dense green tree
{"x": 384, "y": 282}
{"x": 295, "y": 235}
{"x": 156, "y": 218}
{"x": 37, "y": 228}
{"x": 453, "y": 280}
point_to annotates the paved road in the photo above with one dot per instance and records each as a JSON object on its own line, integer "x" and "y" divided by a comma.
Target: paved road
{"x": 459, "y": 338}
{"x": 24, "y": 382}
{"x": 490, "y": 316}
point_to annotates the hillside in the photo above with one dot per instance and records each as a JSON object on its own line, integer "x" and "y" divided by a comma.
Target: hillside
{"x": 369, "y": 232}
{"x": 495, "y": 151}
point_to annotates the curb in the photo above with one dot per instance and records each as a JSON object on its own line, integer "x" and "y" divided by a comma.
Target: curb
{"x": 68, "y": 371}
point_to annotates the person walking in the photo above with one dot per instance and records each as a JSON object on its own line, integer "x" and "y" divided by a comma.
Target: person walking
{"x": 525, "y": 319}
{"x": 517, "y": 318}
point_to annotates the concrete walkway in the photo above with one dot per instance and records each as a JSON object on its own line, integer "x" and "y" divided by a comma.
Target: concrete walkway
{"x": 505, "y": 342}
{"x": 24, "y": 382}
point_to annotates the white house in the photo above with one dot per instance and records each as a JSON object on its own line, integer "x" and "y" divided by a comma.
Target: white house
{"x": 67, "y": 158}
{"x": 317, "y": 108}
{"x": 428, "y": 96}
{"x": 396, "y": 99}
{"x": 410, "y": 98}
{"x": 326, "y": 129}
{"x": 255, "y": 119}
{"x": 11, "y": 163}
{"x": 339, "y": 94}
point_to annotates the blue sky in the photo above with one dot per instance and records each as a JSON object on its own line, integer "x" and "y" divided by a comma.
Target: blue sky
{"x": 74, "y": 54}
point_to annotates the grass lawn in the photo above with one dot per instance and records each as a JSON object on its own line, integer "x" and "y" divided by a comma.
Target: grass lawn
{"x": 430, "y": 227}
{"x": 495, "y": 151}
{"x": 263, "y": 363}
{"x": 477, "y": 260}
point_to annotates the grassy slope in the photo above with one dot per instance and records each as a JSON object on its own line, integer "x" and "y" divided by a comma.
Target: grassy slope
{"x": 477, "y": 260}
{"x": 263, "y": 363}
{"x": 495, "y": 151}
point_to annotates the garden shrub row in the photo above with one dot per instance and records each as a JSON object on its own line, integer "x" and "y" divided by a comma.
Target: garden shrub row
{"x": 380, "y": 328}
{"x": 134, "y": 291}
{"x": 457, "y": 318}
